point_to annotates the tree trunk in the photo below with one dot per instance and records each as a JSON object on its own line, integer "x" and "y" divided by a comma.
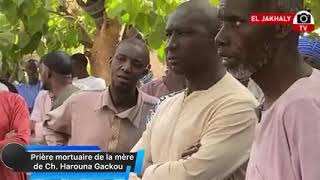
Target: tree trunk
{"x": 106, "y": 38}
{"x": 103, "y": 48}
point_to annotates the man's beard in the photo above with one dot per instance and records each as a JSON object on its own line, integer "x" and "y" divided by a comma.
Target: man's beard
{"x": 242, "y": 72}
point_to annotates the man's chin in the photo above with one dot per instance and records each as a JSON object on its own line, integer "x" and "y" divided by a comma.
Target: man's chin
{"x": 240, "y": 72}
{"x": 231, "y": 62}
{"x": 124, "y": 87}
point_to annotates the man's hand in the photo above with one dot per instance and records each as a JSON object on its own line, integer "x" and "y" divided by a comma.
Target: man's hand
{"x": 191, "y": 150}
{"x": 11, "y": 134}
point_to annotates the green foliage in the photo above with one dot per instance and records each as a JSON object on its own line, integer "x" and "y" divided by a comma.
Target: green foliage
{"x": 21, "y": 28}
{"x": 28, "y": 26}
{"x": 314, "y": 6}
{"x": 148, "y": 16}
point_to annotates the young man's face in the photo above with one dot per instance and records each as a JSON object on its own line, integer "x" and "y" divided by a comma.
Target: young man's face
{"x": 241, "y": 45}
{"x": 128, "y": 65}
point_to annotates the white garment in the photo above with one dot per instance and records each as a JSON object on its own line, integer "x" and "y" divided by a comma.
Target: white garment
{"x": 256, "y": 90}
{"x": 3, "y": 87}
{"x": 90, "y": 83}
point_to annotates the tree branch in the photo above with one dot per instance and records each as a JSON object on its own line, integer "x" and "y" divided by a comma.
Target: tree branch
{"x": 85, "y": 38}
{"x": 66, "y": 16}
{"x": 81, "y": 3}
{"x": 95, "y": 8}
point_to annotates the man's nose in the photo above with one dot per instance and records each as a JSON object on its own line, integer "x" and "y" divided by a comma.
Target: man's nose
{"x": 126, "y": 66}
{"x": 221, "y": 38}
{"x": 172, "y": 43}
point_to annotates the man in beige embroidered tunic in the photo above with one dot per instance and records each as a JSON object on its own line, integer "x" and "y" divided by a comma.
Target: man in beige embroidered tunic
{"x": 206, "y": 132}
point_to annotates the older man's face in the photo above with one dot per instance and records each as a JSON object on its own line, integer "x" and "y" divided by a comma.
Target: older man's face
{"x": 241, "y": 45}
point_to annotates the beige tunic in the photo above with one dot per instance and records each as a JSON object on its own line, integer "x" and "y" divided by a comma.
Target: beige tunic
{"x": 222, "y": 118}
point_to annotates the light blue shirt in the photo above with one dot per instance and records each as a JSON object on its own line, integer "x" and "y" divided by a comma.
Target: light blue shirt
{"x": 29, "y": 92}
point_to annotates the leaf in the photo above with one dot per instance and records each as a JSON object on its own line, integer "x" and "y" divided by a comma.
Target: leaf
{"x": 142, "y": 23}
{"x": 165, "y": 8}
{"x": 89, "y": 23}
{"x": 33, "y": 44}
{"x": 5, "y": 25}
{"x": 148, "y": 5}
{"x": 152, "y": 17}
{"x": 7, "y": 39}
{"x": 37, "y": 21}
{"x": 155, "y": 39}
{"x": 18, "y": 2}
{"x": 4, "y": 67}
{"x": 41, "y": 50}
{"x": 51, "y": 4}
{"x": 29, "y": 8}
{"x": 114, "y": 8}
{"x": 1, "y": 56}
{"x": 10, "y": 10}
{"x": 23, "y": 39}
{"x": 72, "y": 38}
{"x": 133, "y": 8}
{"x": 8, "y": 64}
{"x": 161, "y": 53}
{"x": 214, "y": 2}
{"x": 157, "y": 36}
{"x": 51, "y": 23}
{"x": 125, "y": 18}
{"x": 53, "y": 44}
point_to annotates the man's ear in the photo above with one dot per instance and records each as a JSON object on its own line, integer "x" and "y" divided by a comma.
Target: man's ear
{"x": 148, "y": 67}
{"x": 282, "y": 30}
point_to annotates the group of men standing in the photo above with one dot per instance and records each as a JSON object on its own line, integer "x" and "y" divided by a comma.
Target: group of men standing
{"x": 214, "y": 129}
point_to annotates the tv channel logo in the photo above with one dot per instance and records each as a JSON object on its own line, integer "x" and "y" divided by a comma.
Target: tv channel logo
{"x": 303, "y": 21}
